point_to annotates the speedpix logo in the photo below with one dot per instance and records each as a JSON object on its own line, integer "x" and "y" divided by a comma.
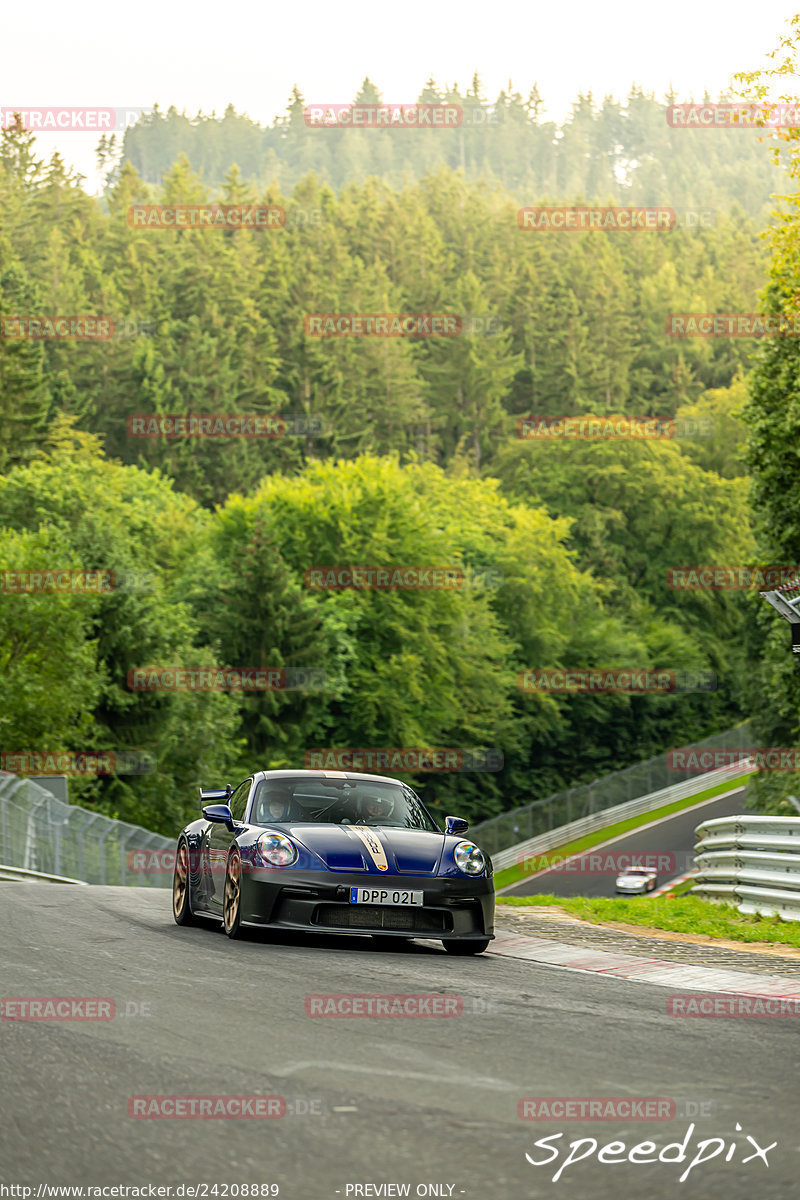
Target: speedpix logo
{"x": 647, "y": 1152}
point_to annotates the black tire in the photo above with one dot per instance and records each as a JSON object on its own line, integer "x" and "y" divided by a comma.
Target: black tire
{"x": 182, "y": 887}
{"x": 458, "y": 947}
{"x": 232, "y": 896}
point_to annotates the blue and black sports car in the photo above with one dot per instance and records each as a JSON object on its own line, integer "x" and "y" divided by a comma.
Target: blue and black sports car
{"x": 333, "y": 852}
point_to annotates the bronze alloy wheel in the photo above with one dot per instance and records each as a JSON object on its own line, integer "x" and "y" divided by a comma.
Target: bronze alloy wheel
{"x": 181, "y": 903}
{"x": 232, "y": 899}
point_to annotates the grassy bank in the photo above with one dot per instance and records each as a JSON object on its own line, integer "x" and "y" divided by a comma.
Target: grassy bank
{"x": 684, "y": 914}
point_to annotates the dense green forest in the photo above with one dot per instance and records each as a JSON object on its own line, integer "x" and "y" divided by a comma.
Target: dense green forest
{"x": 626, "y": 150}
{"x": 394, "y": 451}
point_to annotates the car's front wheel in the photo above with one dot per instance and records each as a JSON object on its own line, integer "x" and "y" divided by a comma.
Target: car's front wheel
{"x": 232, "y": 896}
{"x": 465, "y": 947}
{"x": 182, "y": 887}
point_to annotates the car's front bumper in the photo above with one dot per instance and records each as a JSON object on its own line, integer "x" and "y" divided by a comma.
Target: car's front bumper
{"x": 319, "y": 901}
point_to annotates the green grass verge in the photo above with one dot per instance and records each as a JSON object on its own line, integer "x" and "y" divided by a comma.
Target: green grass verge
{"x": 516, "y": 873}
{"x": 684, "y": 914}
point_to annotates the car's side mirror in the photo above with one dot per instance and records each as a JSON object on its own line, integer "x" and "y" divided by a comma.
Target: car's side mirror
{"x": 220, "y": 814}
{"x": 455, "y": 825}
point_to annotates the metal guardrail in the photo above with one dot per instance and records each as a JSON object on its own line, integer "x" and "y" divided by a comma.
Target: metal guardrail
{"x": 41, "y": 834}
{"x": 23, "y": 876}
{"x": 753, "y": 862}
{"x": 510, "y": 828}
{"x": 619, "y": 812}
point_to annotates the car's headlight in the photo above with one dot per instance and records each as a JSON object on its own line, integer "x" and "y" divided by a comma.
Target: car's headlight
{"x": 276, "y": 850}
{"x": 469, "y": 858}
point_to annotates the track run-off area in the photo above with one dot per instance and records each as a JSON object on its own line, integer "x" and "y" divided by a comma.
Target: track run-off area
{"x": 667, "y": 843}
{"x": 370, "y": 1104}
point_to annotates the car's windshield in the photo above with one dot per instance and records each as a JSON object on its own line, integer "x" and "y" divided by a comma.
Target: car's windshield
{"x": 340, "y": 802}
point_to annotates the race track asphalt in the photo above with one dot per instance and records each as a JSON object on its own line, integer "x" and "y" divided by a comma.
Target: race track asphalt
{"x": 370, "y": 1101}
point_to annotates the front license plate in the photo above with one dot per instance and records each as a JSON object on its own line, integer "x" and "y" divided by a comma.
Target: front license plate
{"x": 384, "y": 896}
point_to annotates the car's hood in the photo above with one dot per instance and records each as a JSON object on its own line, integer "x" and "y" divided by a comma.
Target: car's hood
{"x": 630, "y": 880}
{"x": 379, "y": 851}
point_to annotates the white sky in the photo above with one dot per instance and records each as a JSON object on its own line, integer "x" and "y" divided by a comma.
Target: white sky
{"x": 251, "y": 52}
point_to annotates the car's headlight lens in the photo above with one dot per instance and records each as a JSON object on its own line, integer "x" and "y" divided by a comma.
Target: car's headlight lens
{"x": 276, "y": 850}
{"x": 469, "y": 858}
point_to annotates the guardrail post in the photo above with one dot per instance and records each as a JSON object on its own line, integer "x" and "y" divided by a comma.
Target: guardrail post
{"x": 4, "y": 827}
{"x": 101, "y": 847}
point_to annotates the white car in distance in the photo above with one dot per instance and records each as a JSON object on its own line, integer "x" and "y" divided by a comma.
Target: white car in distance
{"x": 636, "y": 881}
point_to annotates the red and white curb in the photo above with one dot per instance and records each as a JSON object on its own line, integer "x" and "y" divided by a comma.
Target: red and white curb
{"x": 673, "y": 883}
{"x": 640, "y": 969}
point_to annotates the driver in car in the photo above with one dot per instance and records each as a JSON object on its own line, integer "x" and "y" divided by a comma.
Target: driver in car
{"x": 377, "y": 809}
{"x": 277, "y": 806}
